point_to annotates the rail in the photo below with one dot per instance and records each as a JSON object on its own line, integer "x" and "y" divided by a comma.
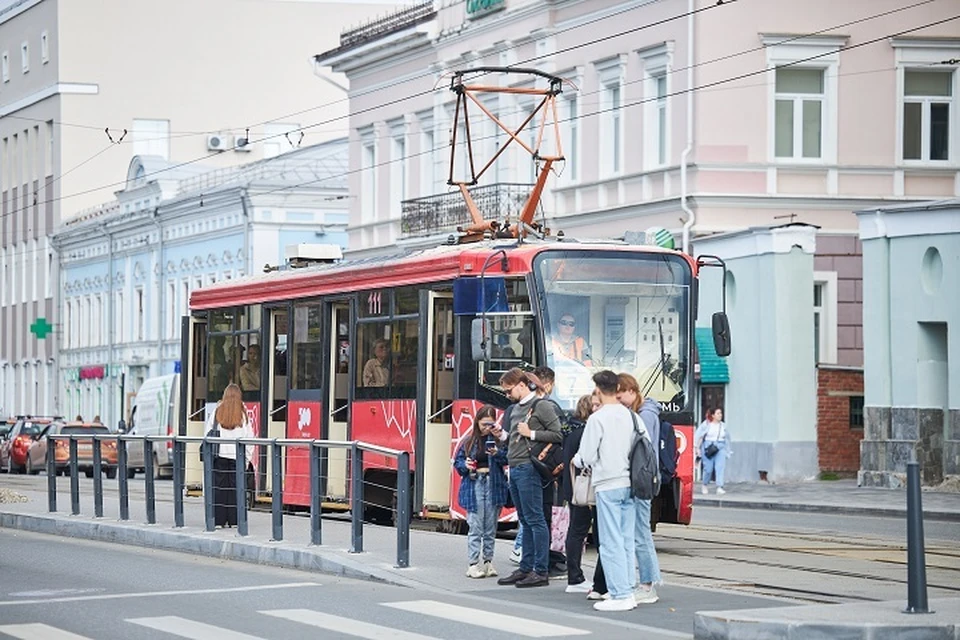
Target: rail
{"x": 276, "y": 446}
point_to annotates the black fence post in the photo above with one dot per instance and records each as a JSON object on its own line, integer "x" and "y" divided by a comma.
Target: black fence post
{"x": 149, "y": 484}
{"x": 97, "y": 478}
{"x": 356, "y": 499}
{"x": 276, "y": 482}
{"x": 123, "y": 482}
{"x": 315, "y": 497}
{"x": 241, "y": 479}
{"x": 916, "y": 563}
{"x": 403, "y": 510}
{"x": 51, "y": 476}
{"x": 178, "y": 483}
{"x": 74, "y": 478}
{"x": 206, "y": 456}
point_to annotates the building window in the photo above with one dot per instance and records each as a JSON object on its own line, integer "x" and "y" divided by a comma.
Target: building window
{"x": 571, "y": 151}
{"x": 856, "y": 412}
{"x": 87, "y": 339}
{"x": 428, "y": 159}
{"x": 398, "y": 168}
{"x": 44, "y": 48}
{"x": 368, "y": 180}
{"x": 25, "y": 57}
{"x": 141, "y": 316}
{"x": 48, "y": 292}
{"x": 825, "y": 317}
{"x": 121, "y": 330}
{"x": 68, "y": 326}
{"x": 5, "y": 66}
{"x": 610, "y": 127}
{"x": 97, "y": 321}
{"x": 799, "y": 107}
{"x": 171, "y": 309}
{"x": 927, "y": 102}
{"x": 151, "y": 138}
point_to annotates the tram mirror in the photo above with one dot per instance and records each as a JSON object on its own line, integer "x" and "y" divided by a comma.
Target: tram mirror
{"x": 470, "y": 297}
{"x": 480, "y": 339}
{"x": 721, "y": 334}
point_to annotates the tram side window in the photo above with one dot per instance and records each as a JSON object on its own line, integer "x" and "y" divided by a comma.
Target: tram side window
{"x": 224, "y": 362}
{"x": 307, "y": 347}
{"x": 373, "y": 378}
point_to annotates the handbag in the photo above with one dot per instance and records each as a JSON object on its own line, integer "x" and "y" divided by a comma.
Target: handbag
{"x": 583, "y": 493}
{"x": 545, "y": 470}
{"x": 711, "y": 451}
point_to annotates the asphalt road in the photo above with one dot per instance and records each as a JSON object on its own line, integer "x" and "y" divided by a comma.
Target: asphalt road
{"x": 51, "y": 585}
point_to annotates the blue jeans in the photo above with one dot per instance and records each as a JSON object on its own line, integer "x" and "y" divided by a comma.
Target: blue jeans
{"x": 519, "y": 539}
{"x": 718, "y": 462}
{"x": 643, "y": 545}
{"x": 527, "y": 492}
{"x": 482, "y": 522}
{"x": 616, "y": 517}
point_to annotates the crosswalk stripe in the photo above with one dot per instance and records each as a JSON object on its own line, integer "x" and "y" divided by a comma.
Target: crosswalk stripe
{"x": 175, "y": 625}
{"x": 488, "y": 619}
{"x": 38, "y": 631}
{"x": 346, "y": 626}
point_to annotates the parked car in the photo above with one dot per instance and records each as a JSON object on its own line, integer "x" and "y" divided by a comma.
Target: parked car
{"x": 155, "y": 411}
{"x": 37, "y": 453}
{"x": 13, "y": 450}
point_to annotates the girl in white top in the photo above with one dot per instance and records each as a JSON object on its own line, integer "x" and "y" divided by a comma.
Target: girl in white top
{"x": 231, "y": 424}
{"x": 712, "y": 437}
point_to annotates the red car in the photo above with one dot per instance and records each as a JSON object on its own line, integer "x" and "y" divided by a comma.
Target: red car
{"x": 13, "y": 450}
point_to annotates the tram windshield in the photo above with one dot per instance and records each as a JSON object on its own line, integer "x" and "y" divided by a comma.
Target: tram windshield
{"x": 626, "y": 312}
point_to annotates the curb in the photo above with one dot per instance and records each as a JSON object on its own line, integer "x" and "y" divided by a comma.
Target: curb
{"x": 278, "y": 554}
{"x": 942, "y": 516}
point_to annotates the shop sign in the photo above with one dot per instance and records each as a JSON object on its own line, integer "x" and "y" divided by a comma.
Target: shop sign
{"x": 480, "y": 7}
{"x": 92, "y": 373}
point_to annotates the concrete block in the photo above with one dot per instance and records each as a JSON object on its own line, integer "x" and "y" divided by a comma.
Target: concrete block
{"x": 945, "y": 632}
{"x": 882, "y": 479}
{"x": 904, "y": 423}
{"x": 951, "y": 457}
{"x": 828, "y": 631}
{"x": 898, "y": 454}
{"x": 876, "y": 423}
{"x": 872, "y": 455}
{"x": 953, "y": 425}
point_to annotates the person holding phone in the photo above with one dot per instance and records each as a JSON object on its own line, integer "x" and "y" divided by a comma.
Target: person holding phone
{"x": 479, "y": 460}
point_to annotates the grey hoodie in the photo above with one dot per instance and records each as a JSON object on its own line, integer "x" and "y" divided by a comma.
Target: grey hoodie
{"x": 650, "y": 416}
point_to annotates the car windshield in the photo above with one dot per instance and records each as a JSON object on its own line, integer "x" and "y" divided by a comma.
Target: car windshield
{"x": 31, "y": 429}
{"x": 82, "y": 429}
{"x": 628, "y": 312}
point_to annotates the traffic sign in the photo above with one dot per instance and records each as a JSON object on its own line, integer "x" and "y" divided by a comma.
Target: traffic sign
{"x": 41, "y": 328}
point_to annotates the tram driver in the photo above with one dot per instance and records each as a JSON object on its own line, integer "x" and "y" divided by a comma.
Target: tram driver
{"x": 568, "y": 344}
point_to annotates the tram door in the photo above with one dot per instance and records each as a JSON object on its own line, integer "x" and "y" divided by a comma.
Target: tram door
{"x": 439, "y": 402}
{"x": 338, "y": 400}
{"x": 275, "y": 405}
{"x": 195, "y": 369}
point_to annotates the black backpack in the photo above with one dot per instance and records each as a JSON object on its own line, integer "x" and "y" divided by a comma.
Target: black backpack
{"x": 644, "y": 465}
{"x": 668, "y": 453}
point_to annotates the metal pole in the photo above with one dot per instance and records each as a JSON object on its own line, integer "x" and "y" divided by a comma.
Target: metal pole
{"x": 122, "y": 479}
{"x": 241, "y": 489}
{"x": 206, "y": 447}
{"x": 149, "y": 485}
{"x": 315, "y": 500}
{"x": 356, "y": 499}
{"x": 97, "y": 479}
{"x": 277, "y": 486}
{"x": 74, "y": 478}
{"x": 916, "y": 566}
{"x": 403, "y": 510}
{"x": 51, "y": 476}
{"x": 178, "y": 483}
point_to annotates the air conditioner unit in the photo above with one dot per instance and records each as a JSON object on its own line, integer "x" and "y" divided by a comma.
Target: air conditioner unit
{"x": 216, "y": 142}
{"x": 241, "y": 143}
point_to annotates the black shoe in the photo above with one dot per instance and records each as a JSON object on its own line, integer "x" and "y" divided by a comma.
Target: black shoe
{"x": 557, "y": 571}
{"x": 513, "y": 578}
{"x": 533, "y": 579}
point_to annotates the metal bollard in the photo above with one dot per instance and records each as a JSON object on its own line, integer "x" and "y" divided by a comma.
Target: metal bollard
{"x": 123, "y": 481}
{"x": 277, "y": 486}
{"x": 241, "y": 493}
{"x": 356, "y": 499}
{"x": 206, "y": 447}
{"x": 97, "y": 478}
{"x": 916, "y": 563}
{"x": 178, "y": 483}
{"x": 149, "y": 484}
{"x": 315, "y": 497}
{"x": 403, "y": 510}
{"x": 51, "y": 476}
{"x": 74, "y": 478}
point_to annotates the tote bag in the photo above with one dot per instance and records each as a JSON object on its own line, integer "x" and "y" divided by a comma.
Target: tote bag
{"x": 583, "y": 494}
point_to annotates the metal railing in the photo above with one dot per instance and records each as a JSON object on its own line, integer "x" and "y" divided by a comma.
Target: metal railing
{"x": 388, "y": 24}
{"x": 447, "y": 211}
{"x": 317, "y": 449}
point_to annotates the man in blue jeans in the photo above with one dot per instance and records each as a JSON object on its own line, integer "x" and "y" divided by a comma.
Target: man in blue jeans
{"x": 531, "y": 422}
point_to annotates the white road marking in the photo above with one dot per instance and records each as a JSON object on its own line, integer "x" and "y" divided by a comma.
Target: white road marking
{"x": 52, "y": 593}
{"x": 488, "y": 619}
{"x": 38, "y": 631}
{"x": 346, "y": 626}
{"x": 151, "y": 594}
{"x": 185, "y": 628}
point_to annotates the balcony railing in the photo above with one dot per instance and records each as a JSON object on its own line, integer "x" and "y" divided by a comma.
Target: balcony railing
{"x": 388, "y": 24}
{"x": 434, "y": 214}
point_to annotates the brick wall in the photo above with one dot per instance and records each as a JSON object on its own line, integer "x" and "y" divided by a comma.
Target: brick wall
{"x": 838, "y": 444}
{"x": 844, "y": 255}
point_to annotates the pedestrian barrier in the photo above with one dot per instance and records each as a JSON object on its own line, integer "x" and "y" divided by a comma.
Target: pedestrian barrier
{"x": 317, "y": 450}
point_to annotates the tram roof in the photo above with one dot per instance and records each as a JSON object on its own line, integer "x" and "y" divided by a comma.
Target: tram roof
{"x": 424, "y": 266}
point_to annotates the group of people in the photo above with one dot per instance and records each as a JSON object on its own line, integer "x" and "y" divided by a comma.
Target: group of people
{"x": 596, "y": 440}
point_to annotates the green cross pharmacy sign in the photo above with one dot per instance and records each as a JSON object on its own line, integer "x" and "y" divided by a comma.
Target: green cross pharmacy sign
{"x": 41, "y": 328}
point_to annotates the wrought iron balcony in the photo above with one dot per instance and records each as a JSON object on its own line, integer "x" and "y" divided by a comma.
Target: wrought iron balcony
{"x": 435, "y": 214}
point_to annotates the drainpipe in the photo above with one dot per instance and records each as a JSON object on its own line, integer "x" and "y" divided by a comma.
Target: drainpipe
{"x": 111, "y": 313}
{"x": 160, "y": 288}
{"x": 691, "y": 216}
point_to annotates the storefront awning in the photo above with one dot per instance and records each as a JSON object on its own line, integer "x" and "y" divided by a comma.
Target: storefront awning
{"x": 713, "y": 368}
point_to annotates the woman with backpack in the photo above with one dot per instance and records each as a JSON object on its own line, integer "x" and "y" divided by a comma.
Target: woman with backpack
{"x": 230, "y": 423}
{"x": 483, "y": 488}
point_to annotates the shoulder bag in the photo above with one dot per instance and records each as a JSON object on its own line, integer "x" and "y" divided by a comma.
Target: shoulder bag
{"x": 583, "y": 493}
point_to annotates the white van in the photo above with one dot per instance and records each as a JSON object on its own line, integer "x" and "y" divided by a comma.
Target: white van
{"x": 156, "y": 410}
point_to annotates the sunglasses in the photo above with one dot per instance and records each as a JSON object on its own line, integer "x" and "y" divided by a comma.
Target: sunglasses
{"x": 568, "y": 323}
{"x": 487, "y": 424}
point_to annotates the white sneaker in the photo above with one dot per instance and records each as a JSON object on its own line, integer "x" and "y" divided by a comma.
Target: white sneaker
{"x": 489, "y": 571}
{"x": 616, "y": 604}
{"x": 646, "y": 596}
{"x": 720, "y": 491}
{"x": 583, "y": 587}
{"x": 704, "y": 490}
{"x": 596, "y": 595}
{"x": 476, "y": 571}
